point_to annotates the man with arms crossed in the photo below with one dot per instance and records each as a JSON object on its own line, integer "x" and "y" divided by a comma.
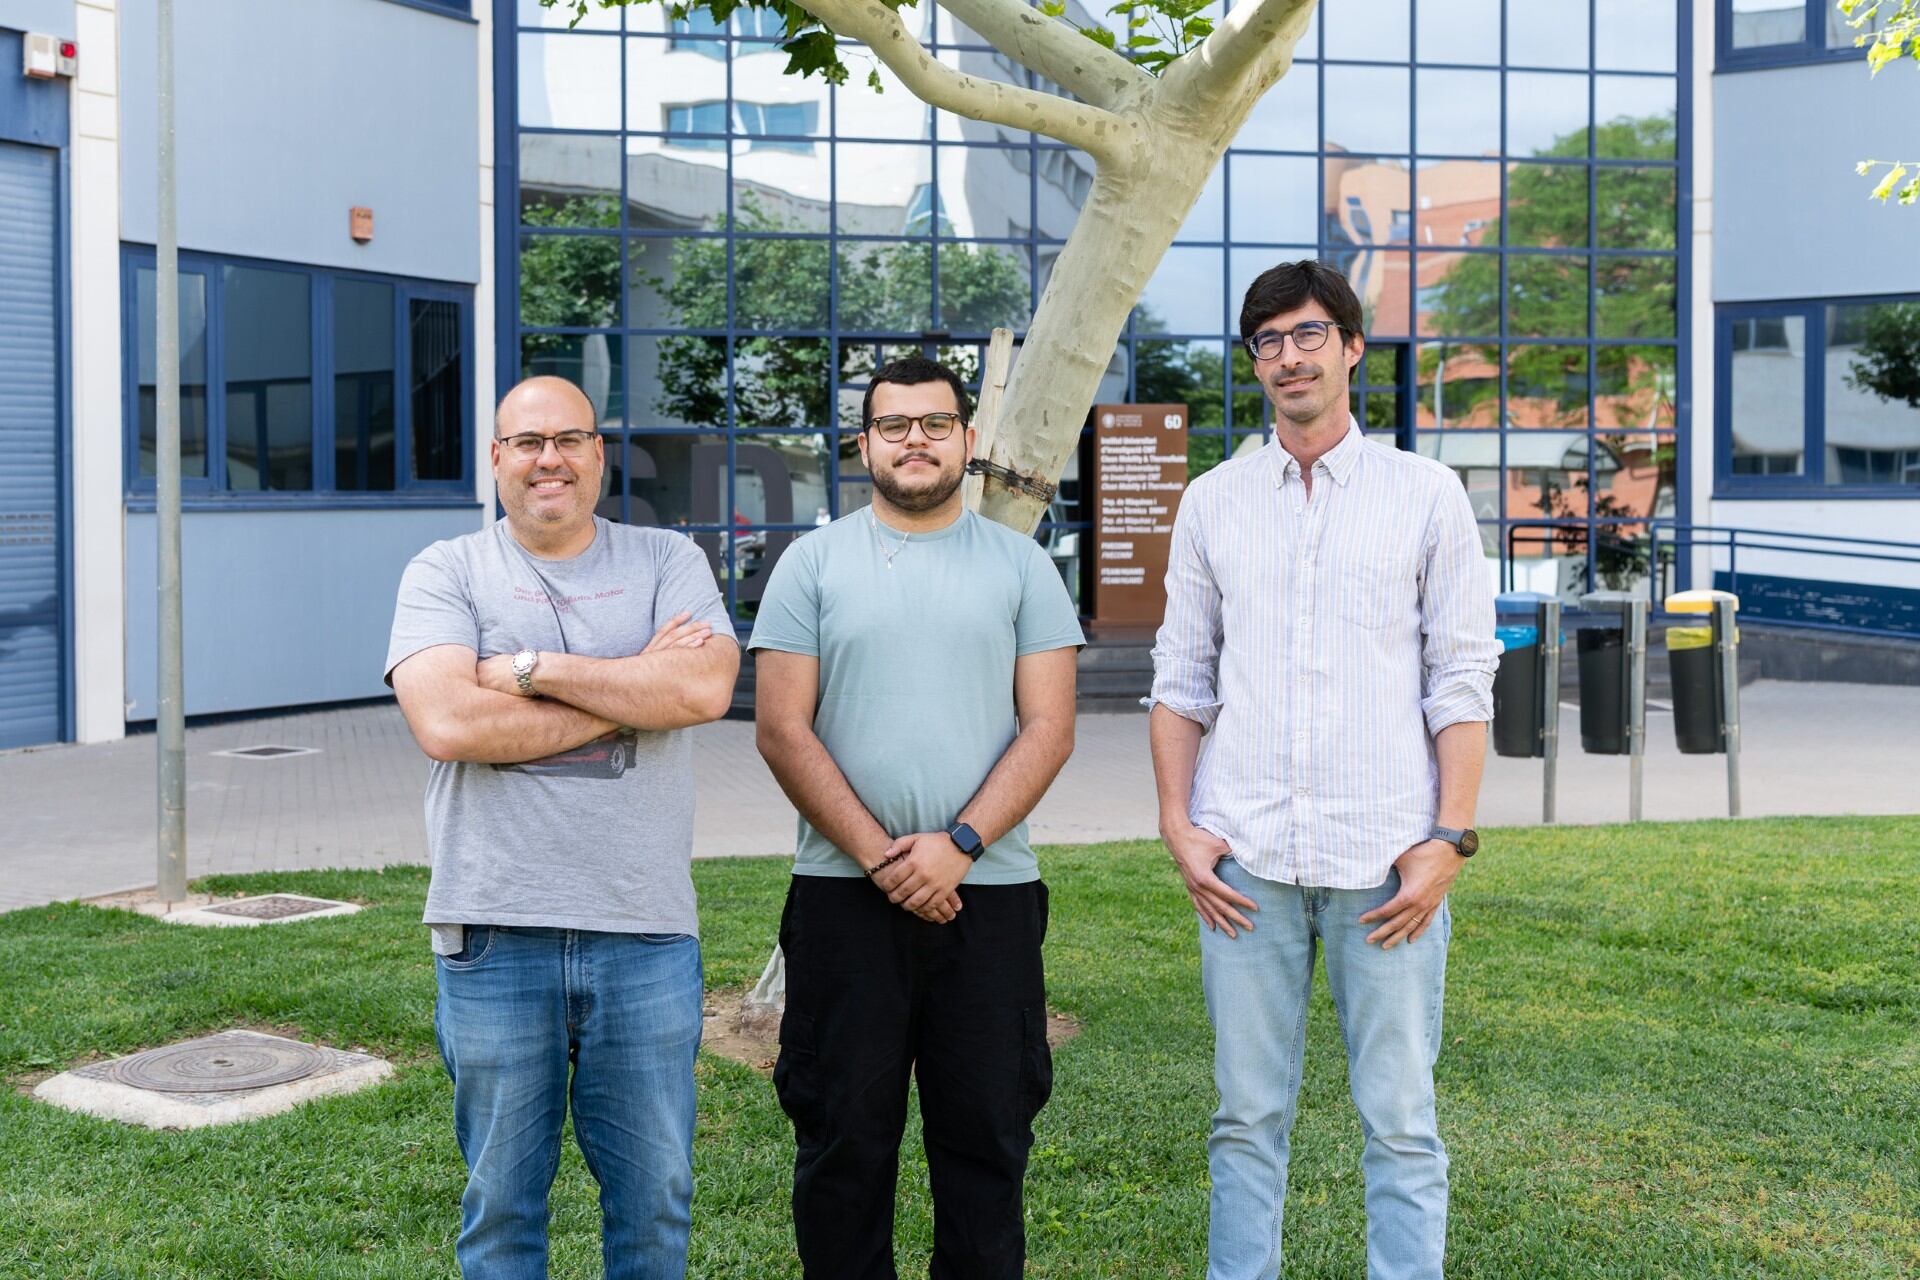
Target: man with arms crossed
{"x": 915, "y": 696}
{"x": 547, "y": 664}
{"x": 1322, "y": 683}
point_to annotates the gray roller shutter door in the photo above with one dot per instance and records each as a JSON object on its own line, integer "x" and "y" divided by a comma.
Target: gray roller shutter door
{"x": 32, "y": 667}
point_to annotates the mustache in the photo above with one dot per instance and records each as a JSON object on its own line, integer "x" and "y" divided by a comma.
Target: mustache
{"x": 920, "y": 454}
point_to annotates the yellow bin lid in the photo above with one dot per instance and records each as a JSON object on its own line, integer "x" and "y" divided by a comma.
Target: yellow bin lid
{"x": 1697, "y": 601}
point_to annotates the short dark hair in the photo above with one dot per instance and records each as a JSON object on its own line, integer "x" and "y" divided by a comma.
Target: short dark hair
{"x": 911, "y": 371}
{"x": 1290, "y": 286}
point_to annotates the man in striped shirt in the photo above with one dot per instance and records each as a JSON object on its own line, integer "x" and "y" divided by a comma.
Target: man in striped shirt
{"x": 1322, "y": 684}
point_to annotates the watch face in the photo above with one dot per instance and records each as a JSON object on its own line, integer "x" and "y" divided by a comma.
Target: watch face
{"x": 522, "y": 663}
{"x": 1469, "y": 842}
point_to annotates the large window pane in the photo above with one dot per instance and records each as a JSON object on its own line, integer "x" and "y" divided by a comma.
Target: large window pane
{"x": 1546, "y": 114}
{"x": 676, "y": 480}
{"x": 885, "y": 286}
{"x": 884, "y": 190}
{"x": 1636, "y": 117}
{"x": 569, "y": 180}
{"x": 1759, "y": 23}
{"x": 589, "y": 361}
{"x": 1456, "y": 386}
{"x": 984, "y": 286}
{"x": 1546, "y": 386}
{"x": 1459, "y": 203}
{"x": 780, "y": 478}
{"x": 1547, "y": 206}
{"x": 1189, "y": 373}
{"x": 1474, "y": 456}
{"x": 1205, "y": 221}
{"x": 267, "y": 340}
{"x": 1767, "y": 401}
{"x": 439, "y": 380}
{"x": 1184, "y": 294}
{"x": 779, "y": 284}
{"x": 1636, "y": 208}
{"x": 673, "y": 188}
{"x": 677, "y": 282}
{"x": 363, "y": 385}
{"x": 569, "y": 81}
{"x": 1276, "y": 199}
{"x": 1368, "y": 202}
{"x": 570, "y": 281}
{"x": 1372, "y": 32}
{"x": 1635, "y": 35}
{"x": 1287, "y": 117}
{"x": 984, "y": 192}
{"x": 679, "y": 380}
{"x": 781, "y": 382}
{"x": 1546, "y": 474}
{"x": 1635, "y": 387}
{"x": 664, "y": 76}
{"x": 193, "y": 371}
{"x": 1459, "y": 295}
{"x": 1872, "y": 381}
{"x": 1547, "y": 295}
{"x": 1547, "y": 33}
{"x": 1366, "y": 109}
{"x": 1635, "y": 297}
{"x": 1459, "y": 31}
{"x": 1634, "y": 474}
{"x": 1459, "y": 112}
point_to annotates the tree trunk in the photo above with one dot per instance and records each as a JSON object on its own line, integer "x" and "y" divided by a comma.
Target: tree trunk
{"x": 1123, "y": 231}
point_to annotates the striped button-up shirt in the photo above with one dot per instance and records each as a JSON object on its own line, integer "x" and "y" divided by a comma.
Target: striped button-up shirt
{"x": 1321, "y": 641}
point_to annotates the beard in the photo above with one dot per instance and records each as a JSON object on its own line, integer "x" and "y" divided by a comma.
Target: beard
{"x": 934, "y": 494}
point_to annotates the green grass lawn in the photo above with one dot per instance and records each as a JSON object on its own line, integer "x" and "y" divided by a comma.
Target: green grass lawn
{"x": 1688, "y": 1050}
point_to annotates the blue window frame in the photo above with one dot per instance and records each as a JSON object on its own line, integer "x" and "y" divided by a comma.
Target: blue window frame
{"x": 303, "y": 384}
{"x": 1780, "y": 33}
{"x": 1817, "y": 398}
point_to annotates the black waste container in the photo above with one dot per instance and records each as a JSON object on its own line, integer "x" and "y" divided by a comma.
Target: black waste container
{"x": 1603, "y": 690}
{"x": 1516, "y": 693}
{"x": 1699, "y": 697}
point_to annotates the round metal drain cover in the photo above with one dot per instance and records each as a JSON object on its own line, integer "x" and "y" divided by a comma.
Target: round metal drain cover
{"x": 219, "y": 1065}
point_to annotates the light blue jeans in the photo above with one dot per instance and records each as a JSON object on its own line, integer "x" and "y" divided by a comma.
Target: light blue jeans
{"x": 532, "y": 1021}
{"x": 1389, "y": 1006}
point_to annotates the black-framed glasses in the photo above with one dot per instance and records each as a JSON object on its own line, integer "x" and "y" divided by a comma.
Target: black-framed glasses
{"x": 529, "y": 445}
{"x": 893, "y": 428}
{"x": 1308, "y": 335}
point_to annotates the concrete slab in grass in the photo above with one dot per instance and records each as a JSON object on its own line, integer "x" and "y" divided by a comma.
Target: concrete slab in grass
{"x": 269, "y": 908}
{"x": 218, "y": 1079}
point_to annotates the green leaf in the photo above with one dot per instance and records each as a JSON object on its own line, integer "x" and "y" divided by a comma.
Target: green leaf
{"x": 1887, "y": 183}
{"x": 1054, "y": 8}
{"x": 873, "y": 81}
{"x": 1197, "y": 29}
{"x": 1911, "y": 192}
{"x": 1099, "y": 35}
{"x": 815, "y": 53}
{"x": 1142, "y": 42}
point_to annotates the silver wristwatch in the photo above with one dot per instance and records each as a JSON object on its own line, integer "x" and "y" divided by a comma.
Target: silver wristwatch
{"x": 523, "y": 664}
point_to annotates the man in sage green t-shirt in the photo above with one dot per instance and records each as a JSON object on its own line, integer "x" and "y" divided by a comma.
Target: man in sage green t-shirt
{"x": 915, "y": 698}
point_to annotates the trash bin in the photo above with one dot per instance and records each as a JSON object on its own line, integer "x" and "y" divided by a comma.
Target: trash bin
{"x": 1605, "y": 675}
{"x": 1516, "y": 692}
{"x": 1521, "y": 685}
{"x": 1699, "y": 701}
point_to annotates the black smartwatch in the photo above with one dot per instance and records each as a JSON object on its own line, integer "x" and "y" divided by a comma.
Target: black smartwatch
{"x": 966, "y": 839}
{"x": 1465, "y": 843}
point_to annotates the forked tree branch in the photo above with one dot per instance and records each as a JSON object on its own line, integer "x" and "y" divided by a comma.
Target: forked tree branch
{"x": 1055, "y": 50}
{"x": 1105, "y": 136}
{"x": 1253, "y": 44}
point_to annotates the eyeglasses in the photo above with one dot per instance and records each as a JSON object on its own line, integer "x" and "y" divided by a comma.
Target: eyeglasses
{"x": 531, "y": 444}
{"x": 1308, "y": 335}
{"x": 894, "y": 427}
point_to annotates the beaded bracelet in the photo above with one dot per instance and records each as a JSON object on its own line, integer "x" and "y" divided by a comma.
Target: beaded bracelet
{"x": 884, "y": 863}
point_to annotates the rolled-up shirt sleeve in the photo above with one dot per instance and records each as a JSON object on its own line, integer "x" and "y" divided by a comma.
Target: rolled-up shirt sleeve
{"x": 1186, "y": 652}
{"x": 1459, "y": 652}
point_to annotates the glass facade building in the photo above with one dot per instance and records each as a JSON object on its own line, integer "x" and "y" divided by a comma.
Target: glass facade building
{"x": 721, "y": 253}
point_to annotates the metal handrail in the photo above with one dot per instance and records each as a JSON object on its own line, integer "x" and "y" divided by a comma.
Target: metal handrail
{"x": 1737, "y": 538}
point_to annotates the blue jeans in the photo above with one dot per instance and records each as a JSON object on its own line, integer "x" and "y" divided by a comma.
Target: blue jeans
{"x": 1389, "y": 1007}
{"x": 532, "y": 1020}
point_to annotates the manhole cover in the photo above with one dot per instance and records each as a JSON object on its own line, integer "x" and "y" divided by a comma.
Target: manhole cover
{"x": 220, "y": 1064}
{"x": 274, "y": 906}
{"x": 268, "y": 752}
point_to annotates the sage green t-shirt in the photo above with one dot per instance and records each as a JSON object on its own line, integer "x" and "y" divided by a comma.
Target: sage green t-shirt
{"x": 916, "y": 667}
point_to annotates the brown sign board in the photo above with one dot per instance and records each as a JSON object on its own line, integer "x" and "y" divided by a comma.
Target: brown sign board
{"x": 1140, "y": 471}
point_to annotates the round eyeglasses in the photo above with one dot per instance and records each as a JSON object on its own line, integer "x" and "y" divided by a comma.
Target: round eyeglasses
{"x": 1308, "y": 335}
{"x": 893, "y": 428}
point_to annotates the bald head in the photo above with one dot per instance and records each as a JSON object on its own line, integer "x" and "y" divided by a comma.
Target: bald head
{"x": 545, "y": 404}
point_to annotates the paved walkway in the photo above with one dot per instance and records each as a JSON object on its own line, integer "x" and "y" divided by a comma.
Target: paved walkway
{"x": 79, "y": 820}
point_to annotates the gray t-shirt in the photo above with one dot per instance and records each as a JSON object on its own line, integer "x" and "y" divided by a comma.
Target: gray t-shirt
{"x": 916, "y": 667}
{"x": 595, "y": 838}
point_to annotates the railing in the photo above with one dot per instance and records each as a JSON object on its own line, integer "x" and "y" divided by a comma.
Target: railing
{"x": 1664, "y": 551}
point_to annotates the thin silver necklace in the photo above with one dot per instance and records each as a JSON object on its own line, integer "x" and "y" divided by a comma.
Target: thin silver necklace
{"x": 874, "y": 523}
